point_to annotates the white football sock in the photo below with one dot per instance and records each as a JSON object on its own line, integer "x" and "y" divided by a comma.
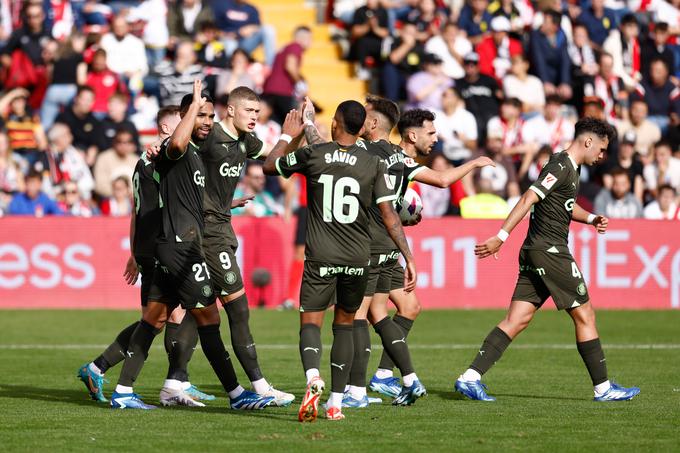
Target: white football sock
{"x": 260, "y": 386}
{"x": 311, "y": 373}
{"x": 236, "y": 392}
{"x": 383, "y": 374}
{"x": 186, "y": 385}
{"x": 335, "y": 400}
{"x": 123, "y": 389}
{"x": 173, "y": 384}
{"x": 471, "y": 375}
{"x": 95, "y": 369}
{"x": 601, "y": 389}
{"x": 409, "y": 379}
{"x": 357, "y": 392}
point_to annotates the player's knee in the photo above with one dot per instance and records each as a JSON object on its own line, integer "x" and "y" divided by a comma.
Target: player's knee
{"x": 412, "y": 309}
{"x": 584, "y": 315}
{"x": 342, "y": 316}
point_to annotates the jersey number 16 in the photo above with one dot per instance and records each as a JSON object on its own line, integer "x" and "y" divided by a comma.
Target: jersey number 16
{"x": 336, "y": 202}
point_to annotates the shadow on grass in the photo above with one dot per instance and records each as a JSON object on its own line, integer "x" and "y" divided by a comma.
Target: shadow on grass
{"x": 80, "y": 398}
{"x": 450, "y": 395}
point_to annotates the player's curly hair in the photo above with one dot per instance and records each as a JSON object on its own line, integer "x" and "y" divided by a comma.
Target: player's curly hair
{"x": 600, "y": 128}
{"x": 387, "y": 108}
{"x": 413, "y": 118}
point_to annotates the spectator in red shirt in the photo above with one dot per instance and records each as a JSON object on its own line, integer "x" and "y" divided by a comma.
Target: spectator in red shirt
{"x": 495, "y": 51}
{"x": 285, "y": 77}
{"x": 104, "y": 82}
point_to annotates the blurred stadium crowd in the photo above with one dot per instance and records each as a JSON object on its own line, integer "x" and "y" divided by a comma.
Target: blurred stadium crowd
{"x": 82, "y": 82}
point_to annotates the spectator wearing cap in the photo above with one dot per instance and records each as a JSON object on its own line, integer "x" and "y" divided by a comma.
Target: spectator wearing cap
{"x": 618, "y": 202}
{"x": 552, "y": 128}
{"x": 518, "y": 83}
{"x": 549, "y": 56}
{"x": 450, "y": 45}
{"x": 624, "y": 47}
{"x": 665, "y": 207}
{"x": 664, "y": 169}
{"x": 86, "y": 129}
{"x": 599, "y": 20}
{"x": 286, "y": 81}
{"x": 475, "y": 20}
{"x": 185, "y": 18}
{"x": 660, "y": 94}
{"x": 33, "y": 201}
{"x": 507, "y": 9}
{"x": 117, "y": 118}
{"x": 646, "y": 132}
{"x": 456, "y": 127}
{"x": 241, "y": 27}
{"x": 176, "y": 78}
{"x": 424, "y": 89}
{"x": 480, "y": 92}
{"x": 125, "y": 53}
{"x": 496, "y": 50}
{"x": 657, "y": 48}
{"x": 607, "y": 86}
{"x": 120, "y": 160}
{"x": 404, "y": 60}
{"x": 369, "y": 29}
{"x": 627, "y": 159}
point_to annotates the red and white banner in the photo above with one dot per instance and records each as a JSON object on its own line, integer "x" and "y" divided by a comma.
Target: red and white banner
{"x": 78, "y": 263}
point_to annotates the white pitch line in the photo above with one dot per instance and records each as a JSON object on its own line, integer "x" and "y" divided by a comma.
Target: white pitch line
{"x": 443, "y": 346}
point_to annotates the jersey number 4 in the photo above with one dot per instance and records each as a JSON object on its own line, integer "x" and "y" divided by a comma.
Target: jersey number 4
{"x": 338, "y": 205}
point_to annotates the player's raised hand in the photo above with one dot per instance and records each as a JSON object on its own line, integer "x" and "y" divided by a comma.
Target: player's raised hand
{"x": 198, "y": 93}
{"x": 488, "y": 248}
{"x": 131, "y": 271}
{"x": 153, "y": 149}
{"x": 410, "y": 277}
{"x": 483, "y": 161}
{"x": 601, "y": 223}
{"x": 308, "y": 111}
{"x": 293, "y": 125}
{"x": 241, "y": 202}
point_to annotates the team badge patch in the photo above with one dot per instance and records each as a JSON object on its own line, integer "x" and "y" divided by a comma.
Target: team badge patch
{"x": 230, "y": 278}
{"x": 206, "y": 290}
{"x": 409, "y": 162}
{"x": 581, "y": 290}
{"x": 549, "y": 181}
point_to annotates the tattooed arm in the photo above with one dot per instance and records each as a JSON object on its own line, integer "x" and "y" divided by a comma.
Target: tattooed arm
{"x": 311, "y": 132}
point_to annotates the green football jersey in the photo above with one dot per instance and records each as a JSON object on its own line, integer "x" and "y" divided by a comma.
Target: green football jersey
{"x": 342, "y": 184}
{"x": 557, "y": 187}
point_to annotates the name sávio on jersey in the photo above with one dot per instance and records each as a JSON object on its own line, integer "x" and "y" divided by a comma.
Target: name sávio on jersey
{"x": 231, "y": 172}
{"x": 199, "y": 179}
{"x": 326, "y": 271}
{"x": 340, "y": 156}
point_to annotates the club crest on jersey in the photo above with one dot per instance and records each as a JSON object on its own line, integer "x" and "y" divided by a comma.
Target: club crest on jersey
{"x": 581, "y": 290}
{"x": 230, "y": 172}
{"x": 199, "y": 179}
{"x": 409, "y": 162}
{"x": 206, "y": 290}
{"x": 549, "y": 181}
{"x": 338, "y": 156}
{"x": 230, "y": 278}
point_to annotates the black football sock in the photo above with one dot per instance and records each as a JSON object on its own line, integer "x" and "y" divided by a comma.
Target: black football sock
{"x": 342, "y": 354}
{"x": 491, "y": 351}
{"x": 593, "y": 356}
{"x": 394, "y": 342}
{"x": 115, "y": 352}
{"x": 362, "y": 353}
{"x": 180, "y": 342}
{"x": 405, "y": 325}
{"x": 310, "y": 346}
{"x": 213, "y": 348}
{"x": 241, "y": 339}
{"x": 137, "y": 352}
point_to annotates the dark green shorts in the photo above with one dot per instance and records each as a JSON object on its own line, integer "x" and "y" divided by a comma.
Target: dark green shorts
{"x": 543, "y": 274}
{"x": 380, "y": 273}
{"x": 146, "y": 266}
{"x": 219, "y": 246}
{"x": 321, "y": 281}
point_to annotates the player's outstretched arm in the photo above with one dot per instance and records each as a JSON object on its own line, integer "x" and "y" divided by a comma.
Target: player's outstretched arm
{"x": 179, "y": 140}
{"x": 447, "y": 177}
{"x": 521, "y": 209}
{"x": 396, "y": 232}
{"x": 580, "y": 215}
{"x": 290, "y": 140}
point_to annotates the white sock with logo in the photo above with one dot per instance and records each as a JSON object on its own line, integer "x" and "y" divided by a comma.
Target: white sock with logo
{"x": 173, "y": 384}
{"x": 471, "y": 375}
{"x": 357, "y": 393}
{"x": 409, "y": 379}
{"x": 384, "y": 374}
{"x": 261, "y": 386}
{"x": 123, "y": 389}
{"x": 335, "y": 400}
{"x": 95, "y": 369}
{"x": 311, "y": 374}
{"x": 236, "y": 392}
{"x": 601, "y": 389}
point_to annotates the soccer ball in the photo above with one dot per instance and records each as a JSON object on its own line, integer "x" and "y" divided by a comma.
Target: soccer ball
{"x": 409, "y": 206}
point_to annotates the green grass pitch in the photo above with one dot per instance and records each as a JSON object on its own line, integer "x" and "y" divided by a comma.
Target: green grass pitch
{"x": 543, "y": 390}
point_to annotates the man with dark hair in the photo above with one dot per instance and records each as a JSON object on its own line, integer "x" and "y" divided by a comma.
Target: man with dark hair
{"x": 659, "y": 93}
{"x": 225, "y": 151}
{"x": 86, "y": 129}
{"x": 480, "y": 93}
{"x": 346, "y": 181}
{"x": 182, "y": 276}
{"x": 657, "y": 48}
{"x": 549, "y": 57}
{"x": 546, "y": 267}
{"x": 618, "y": 202}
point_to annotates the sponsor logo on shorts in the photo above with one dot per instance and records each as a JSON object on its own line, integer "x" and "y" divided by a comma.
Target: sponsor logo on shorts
{"x": 383, "y": 258}
{"x": 536, "y": 270}
{"x": 206, "y": 290}
{"x": 581, "y": 289}
{"x": 230, "y": 278}
{"x": 347, "y": 270}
